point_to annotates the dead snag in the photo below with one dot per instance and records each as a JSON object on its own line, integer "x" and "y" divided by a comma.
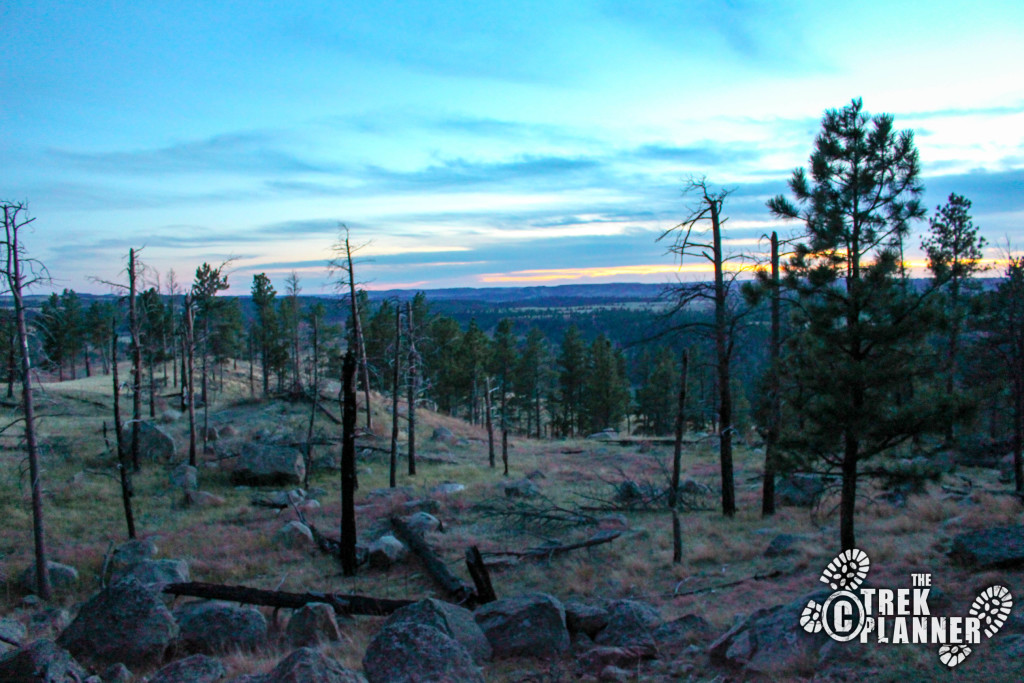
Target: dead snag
{"x": 348, "y": 466}
{"x": 481, "y": 576}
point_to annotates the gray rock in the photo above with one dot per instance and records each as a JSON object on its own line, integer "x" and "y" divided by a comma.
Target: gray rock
{"x": 604, "y": 435}
{"x": 675, "y": 636}
{"x": 307, "y": 665}
{"x": 294, "y": 535}
{"x": 996, "y": 548}
{"x": 215, "y": 627}
{"x": 799, "y": 490}
{"x": 447, "y": 488}
{"x": 443, "y": 435}
{"x": 12, "y": 630}
{"x": 530, "y": 625}
{"x": 260, "y": 464}
{"x": 117, "y": 673}
{"x": 583, "y": 618}
{"x": 194, "y": 669}
{"x": 313, "y": 624}
{"x": 155, "y": 574}
{"x": 125, "y": 622}
{"x": 772, "y": 642}
{"x": 783, "y": 544}
{"x": 453, "y": 621}
{"x": 415, "y": 653}
{"x": 40, "y": 662}
{"x": 48, "y": 623}
{"x": 595, "y": 659}
{"x": 386, "y": 551}
{"x": 185, "y": 477}
{"x": 630, "y": 624}
{"x": 524, "y": 488}
{"x": 130, "y": 553}
{"x": 423, "y": 522}
{"x": 154, "y": 442}
{"x": 63, "y": 577}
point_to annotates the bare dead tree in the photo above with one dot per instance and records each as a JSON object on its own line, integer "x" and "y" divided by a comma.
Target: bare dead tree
{"x": 133, "y": 326}
{"x": 677, "y": 463}
{"x": 315, "y": 395}
{"x": 123, "y": 463}
{"x": 395, "y": 376}
{"x": 344, "y": 264}
{"x": 19, "y": 274}
{"x": 348, "y": 466}
{"x": 489, "y": 422}
{"x": 774, "y": 430}
{"x": 413, "y": 386}
{"x": 699, "y": 236}
{"x": 188, "y": 343}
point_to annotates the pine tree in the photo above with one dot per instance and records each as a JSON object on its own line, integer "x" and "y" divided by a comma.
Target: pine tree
{"x": 860, "y": 353}
{"x": 572, "y": 368}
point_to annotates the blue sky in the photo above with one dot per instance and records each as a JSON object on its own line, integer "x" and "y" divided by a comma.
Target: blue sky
{"x": 472, "y": 143}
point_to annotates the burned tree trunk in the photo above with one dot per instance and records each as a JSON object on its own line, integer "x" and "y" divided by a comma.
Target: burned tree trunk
{"x": 122, "y": 462}
{"x": 395, "y": 376}
{"x": 413, "y": 386}
{"x": 489, "y": 422}
{"x": 775, "y": 415}
{"x": 348, "y": 466}
{"x": 133, "y": 325}
{"x": 188, "y": 340}
{"x": 455, "y": 587}
{"x": 343, "y": 604}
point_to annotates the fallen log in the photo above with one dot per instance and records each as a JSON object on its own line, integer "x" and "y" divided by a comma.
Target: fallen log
{"x": 342, "y": 603}
{"x": 550, "y": 549}
{"x": 456, "y": 588}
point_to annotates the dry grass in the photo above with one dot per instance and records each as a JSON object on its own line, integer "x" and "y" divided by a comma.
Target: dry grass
{"x": 234, "y": 543}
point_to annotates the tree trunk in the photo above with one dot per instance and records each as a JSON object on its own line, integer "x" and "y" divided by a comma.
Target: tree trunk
{"x": 395, "y": 375}
{"x": 133, "y": 324}
{"x": 848, "y": 497}
{"x": 342, "y": 603}
{"x": 188, "y": 354}
{"x": 677, "y": 453}
{"x": 504, "y": 450}
{"x": 489, "y": 422}
{"x": 315, "y": 383}
{"x": 348, "y": 466}
{"x": 722, "y": 350}
{"x": 413, "y": 382}
{"x": 775, "y": 415}
{"x": 123, "y": 465}
{"x": 16, "y": 282}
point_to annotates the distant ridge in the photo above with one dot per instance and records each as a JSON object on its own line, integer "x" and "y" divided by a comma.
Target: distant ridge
{"x": 614, "y": 291}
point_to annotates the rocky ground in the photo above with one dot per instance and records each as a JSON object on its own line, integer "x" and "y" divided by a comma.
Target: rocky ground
{"x": 617, "y": 609}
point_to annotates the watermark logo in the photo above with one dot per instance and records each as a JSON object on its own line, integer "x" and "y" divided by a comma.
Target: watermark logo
{"x": 900, "y": 616}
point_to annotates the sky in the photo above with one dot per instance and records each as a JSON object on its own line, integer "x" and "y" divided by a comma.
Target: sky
{"x": 473, "y": 143}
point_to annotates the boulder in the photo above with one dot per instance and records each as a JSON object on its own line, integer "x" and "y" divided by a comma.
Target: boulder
{"x": 12, "y": 631}
{"x": 155, "y": 574}
{"x": 130, "y": 553}
{"x": 799, "y": 490}
{"x": 117, "y": 673}
{"x": 416, "y": 653}
{"x": 524, "y": 488}
{"x": 261, "y": 464}
{"x": 185, "y": 477}
{"x": 308, "y": 665}
{"x": 630, "y": 624}
{"x": 216, "y": 627}
{"x": 530, "y": 625}
{"x": 595, "y": 659}
{"x": 782, "y": 545}
{"x": 205, "y": 499}
{"x": 386, "y": 551}
{"x": 48, "y": 622}
{"x": 447, "y": 488}
{"x": 443, "y": 435}
{"x": 294, "y": 535}
{"x": 604, "y": 435}
{"x": 772, "y": 642}
{"x": 63, "y": 577}
{"x": 453, "y": 621}
{"x": 154, "y": 442}
{"x": 312, "y": 624}
{"x": 194, "y": 669}
{"x": 125, "y": 622}
{"x": 673, "y": 637}
{"x": 996, "y": 548}
{"x": 41, "y": 662}
{"x": 583, "y": 618}
{"x": 428, "y": 505}
{"x": 228, "y": 431}
{"x": 423, "y": 522}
